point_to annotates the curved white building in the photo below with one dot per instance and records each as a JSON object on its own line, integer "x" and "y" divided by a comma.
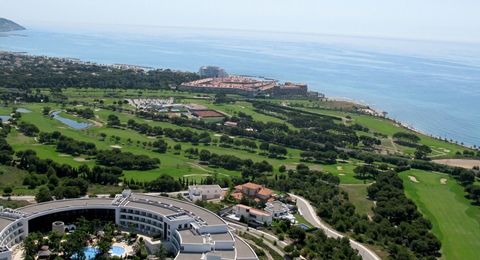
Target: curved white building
{"x": 188, "y": 230}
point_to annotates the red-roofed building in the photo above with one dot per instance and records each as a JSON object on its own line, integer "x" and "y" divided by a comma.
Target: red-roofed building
{"x": 254, "y": 191}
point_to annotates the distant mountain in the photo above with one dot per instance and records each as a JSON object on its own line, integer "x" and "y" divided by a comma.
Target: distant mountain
{"x": 7, "y": 25}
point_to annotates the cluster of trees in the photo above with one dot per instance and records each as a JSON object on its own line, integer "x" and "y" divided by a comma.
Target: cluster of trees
{"x": 28, "y": 129}
{"x": 126, "y": 160}
{"x": 60, "y": 189}
{"x": 73, "y": 245}
{"x": 44, "y": 73}
{"x": 397, "y": 221}
{"x": 68, "y": 145}
{"x": 164, "y": 183}
{"x": 86, "y": 113}
{"x": 221, "y": 98}
{"x": 6, "y": 150}
{"x": 405, "y": 137}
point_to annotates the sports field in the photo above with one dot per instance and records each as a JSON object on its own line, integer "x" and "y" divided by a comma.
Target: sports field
{"x": 455, "y": 221}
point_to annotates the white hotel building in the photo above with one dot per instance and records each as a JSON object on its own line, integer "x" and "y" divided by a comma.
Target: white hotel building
{"x": 189, "y": 231}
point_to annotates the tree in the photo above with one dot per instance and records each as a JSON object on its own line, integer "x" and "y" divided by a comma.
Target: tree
{"x": 422, "y": 151}
{"x": 43, "y": 195}
{"x": 7, "y": 190}
{"x": 161, "y": 252}
{"x": 160, "y": 146}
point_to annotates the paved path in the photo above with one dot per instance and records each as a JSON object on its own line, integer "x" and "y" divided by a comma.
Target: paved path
{"x": 258, "y": 234}
{"x": 309, "y": 213}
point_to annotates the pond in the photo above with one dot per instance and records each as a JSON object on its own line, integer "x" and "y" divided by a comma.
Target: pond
{"x": 5, "y": 118}
{"x": 70, "y": 122}
{"x": 23, "y": 110}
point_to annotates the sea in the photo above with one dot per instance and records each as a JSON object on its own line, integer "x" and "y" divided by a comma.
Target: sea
{"x": 431, "y": 86}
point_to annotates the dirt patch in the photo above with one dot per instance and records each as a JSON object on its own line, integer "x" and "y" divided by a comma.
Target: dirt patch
{"x": 116, "y": 146}
{"x": 63, "y": 155}
{"x": 412, "y": 178}
{"x": 443, "y": 181}
{"x": 464, "y": 163}
{"x": 340, "y": 168}
{"x": 315, "y": 168}
{"x": 80, "y": 159}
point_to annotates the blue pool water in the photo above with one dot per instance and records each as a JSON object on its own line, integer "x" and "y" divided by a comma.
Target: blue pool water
{"x": 116, "y": 250}
{"x": 90, "y": 252}
{"x": 303, "y": 226}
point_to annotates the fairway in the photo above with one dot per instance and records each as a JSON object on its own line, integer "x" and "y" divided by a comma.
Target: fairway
{"x": 455, "y": 221}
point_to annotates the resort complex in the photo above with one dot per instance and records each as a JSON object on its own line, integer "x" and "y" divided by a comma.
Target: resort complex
{"x": 216, "y": 80}
{"x": 187, "y": 230}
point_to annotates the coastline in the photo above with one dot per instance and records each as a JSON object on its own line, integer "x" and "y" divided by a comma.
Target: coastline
{"x": 381, "y": 113}
{"x": 367, "y": 110}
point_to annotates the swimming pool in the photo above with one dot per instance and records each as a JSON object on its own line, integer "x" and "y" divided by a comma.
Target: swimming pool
{"x": 303, "y": 226}
{"x": 90, "y": 252}
{"x": 116, "y": 250}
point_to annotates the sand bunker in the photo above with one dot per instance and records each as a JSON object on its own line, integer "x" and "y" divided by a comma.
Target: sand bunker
{"x": 217, "y": 135}
{"x": 341, "y": 174}
{"x": 191, "y": 175}
{"x": 340, "y": 168}
{"x": 464, "y": 163}
{"x": 116, "y": 146}
{"x": 151, "y": 137}
{"x": 80, "y": 159}
{"x": 412, "y": 178}
{"x": 61, "y": 127}
{"x": 443, "y": 181}
{"x": 63, "y": 155}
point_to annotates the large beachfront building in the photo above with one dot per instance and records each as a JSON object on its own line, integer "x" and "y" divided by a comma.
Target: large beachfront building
{"x": 190, "y": 231}
{"x": 245, "y": 86}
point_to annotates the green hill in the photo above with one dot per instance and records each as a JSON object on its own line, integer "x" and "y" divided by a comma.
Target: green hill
{"x": 7, "y": 26}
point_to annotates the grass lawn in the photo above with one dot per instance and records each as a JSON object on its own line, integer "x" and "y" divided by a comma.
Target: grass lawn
{"x": 13, "y": 177}
{"x": 301, "y": 220}
{"x": 357, "y": 194}
{"x": 455, "y": 221}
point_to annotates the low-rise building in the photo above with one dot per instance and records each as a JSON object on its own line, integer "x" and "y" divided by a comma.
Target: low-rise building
{"x": 204, "y": 192}
{"x": 253, "y": 215}
{"x": 254, "y": 191}
{"x": 277, "y": 209}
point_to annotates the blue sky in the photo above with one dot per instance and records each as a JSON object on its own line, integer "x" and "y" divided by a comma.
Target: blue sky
{"x": 415, "y": 19}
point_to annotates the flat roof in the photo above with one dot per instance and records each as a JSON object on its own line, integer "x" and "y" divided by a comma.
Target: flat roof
{"x": 242, "y": 248}
{"x": 216, "y": 186}
{"x": 189, "y": 237}
{"x": 207, "y": 216}
{"x": 4, "y": 222}
{"x": 188, "y": 256}
{"x": 56, "y": 204}
{"x": 151, "y": 207}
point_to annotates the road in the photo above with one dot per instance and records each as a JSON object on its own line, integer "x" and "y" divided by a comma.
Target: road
{"x": 259, "y": 234}
{"x": 309, "y": 213}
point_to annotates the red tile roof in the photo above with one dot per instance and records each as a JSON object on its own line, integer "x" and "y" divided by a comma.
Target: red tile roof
{"x": 265, "y": 192}
{"x": 252, "y": 185}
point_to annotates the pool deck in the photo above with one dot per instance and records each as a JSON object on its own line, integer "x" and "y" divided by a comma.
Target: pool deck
{"x": 18, "y": 255}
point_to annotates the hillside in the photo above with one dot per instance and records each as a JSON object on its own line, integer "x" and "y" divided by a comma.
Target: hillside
{"x": 7, "y": 26}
